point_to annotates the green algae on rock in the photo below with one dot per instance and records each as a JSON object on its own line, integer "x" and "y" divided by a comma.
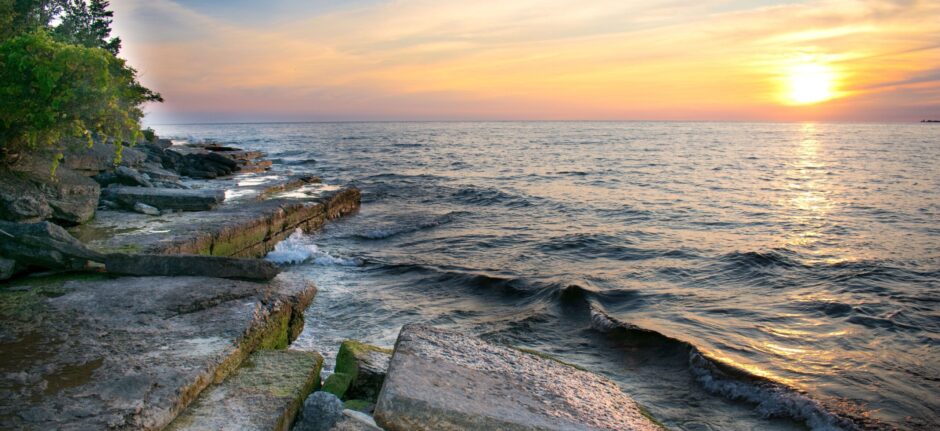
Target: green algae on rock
{"x": 265, "y": 393}
{"x": 365, "y": 365}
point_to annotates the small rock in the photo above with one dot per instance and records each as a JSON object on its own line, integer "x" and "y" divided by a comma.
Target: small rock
{"x": 7, "y": 267}
{"x": 322, "y": 410}
{"x": 146, "y": 209}
{"x": 356, "y": 421}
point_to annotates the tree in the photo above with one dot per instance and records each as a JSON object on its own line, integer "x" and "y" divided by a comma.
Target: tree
{"x": 21, "y": 16}
{"x": 87, "y": 24}
{"x": 55, "y": 95}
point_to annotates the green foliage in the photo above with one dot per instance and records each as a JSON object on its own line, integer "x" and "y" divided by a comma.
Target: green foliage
{"x": 22, "y": 16}
{"x": 149, "y": 134}
{"x": 87, "y": 24}
{"x": 53, "y": 95}
{"x": 64, "y": 86}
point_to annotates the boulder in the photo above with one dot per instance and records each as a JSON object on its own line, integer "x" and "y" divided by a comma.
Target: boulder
{"x": 443, "y": 380}
{"x": 29, "y": 193}
{"x": 158, "y": 173}
{"x": 7, "y": 268}
{"x": 265, "y": 393}
{"x": 365, "y": 365}
{"x": 165, "y": 198}
{"x": 20, "y": 205}
{"x": 190, "y": 265}
{"x": 43, "y": 245}
{"x": 146, "y": 209}
{"x": 132, "y": 177}
{"x": 321, "y": 412}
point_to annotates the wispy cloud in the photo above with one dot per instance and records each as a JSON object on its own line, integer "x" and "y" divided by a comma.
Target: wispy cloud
{"x": 547, "y": 59}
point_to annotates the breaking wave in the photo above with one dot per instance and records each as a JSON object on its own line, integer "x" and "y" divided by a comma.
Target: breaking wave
{"x": 298, "y": 249}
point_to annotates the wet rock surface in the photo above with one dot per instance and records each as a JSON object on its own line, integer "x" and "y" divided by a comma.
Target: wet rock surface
{"x": 442, "y": 380}
{"x": 190, "y": 265}
{"x": 265, "y": 393}
{"x": 165, "y": 198}
{"x": 100, "y": 352}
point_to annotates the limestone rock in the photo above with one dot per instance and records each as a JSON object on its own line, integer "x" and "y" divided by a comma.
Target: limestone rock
{"x": 190, "y": 265}
{"x": 131, "y": 352}
{"x": 165, "y": 198}
{"x": 146, "y": 209}
{"x": 265, "y": 393}
{"x": 442, "y": 380}
{"x": 321, "y": 412}
{"x": 365, "y": 365}
{"x": 43, "y": 245}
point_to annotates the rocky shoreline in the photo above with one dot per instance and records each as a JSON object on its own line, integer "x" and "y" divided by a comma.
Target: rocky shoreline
{"x": 154, "y": 311}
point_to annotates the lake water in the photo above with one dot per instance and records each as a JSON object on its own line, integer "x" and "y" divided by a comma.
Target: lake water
{"x": 728, "y": 275}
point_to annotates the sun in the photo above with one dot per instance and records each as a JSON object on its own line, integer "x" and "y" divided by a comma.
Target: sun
{"x": 809, "y": 83}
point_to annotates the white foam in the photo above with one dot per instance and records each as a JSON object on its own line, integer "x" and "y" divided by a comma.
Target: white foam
{"x": 298, "y": 248}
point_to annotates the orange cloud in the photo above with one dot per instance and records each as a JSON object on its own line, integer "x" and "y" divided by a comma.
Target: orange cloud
{"x": 550, "y": 59}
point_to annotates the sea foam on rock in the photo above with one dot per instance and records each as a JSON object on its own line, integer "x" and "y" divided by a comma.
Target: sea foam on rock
{"x": 443, "y": 380}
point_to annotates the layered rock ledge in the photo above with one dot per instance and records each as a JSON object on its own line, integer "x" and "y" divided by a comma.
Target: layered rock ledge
{"x": 248, "y": 229}
{"x": 97, "y": 352}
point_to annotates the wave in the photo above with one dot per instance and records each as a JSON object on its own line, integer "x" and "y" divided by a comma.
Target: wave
{"x": 488, "y": 196}
{"x": 297, "y": 248}
{"x": 388, "y": 232}
{"x": 605, "y": 246}
{"x": 770, "y": 398}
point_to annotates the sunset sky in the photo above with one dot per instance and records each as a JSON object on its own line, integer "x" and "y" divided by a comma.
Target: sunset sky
{"x": 295, "y": 60}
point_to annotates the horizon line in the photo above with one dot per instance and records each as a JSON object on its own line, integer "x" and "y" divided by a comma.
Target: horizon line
{"x": 221, "y": 123}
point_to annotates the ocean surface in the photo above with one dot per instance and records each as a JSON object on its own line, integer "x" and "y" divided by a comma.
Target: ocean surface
{"x": 728, "y": 275}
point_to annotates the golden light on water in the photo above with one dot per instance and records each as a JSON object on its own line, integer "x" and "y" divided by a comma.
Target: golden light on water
{"x": 809, "y": 83}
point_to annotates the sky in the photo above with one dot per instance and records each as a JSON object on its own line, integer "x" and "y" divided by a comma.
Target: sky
{"x": 327, "y": 60}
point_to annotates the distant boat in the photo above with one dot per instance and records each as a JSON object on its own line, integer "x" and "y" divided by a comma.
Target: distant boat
{"x": 930, "y": 121}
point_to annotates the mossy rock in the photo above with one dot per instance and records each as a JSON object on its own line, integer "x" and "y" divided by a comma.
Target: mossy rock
{"x": 366, "y": 365}
{"x": 337, "y": 384}
{"x": 364, "y": 406}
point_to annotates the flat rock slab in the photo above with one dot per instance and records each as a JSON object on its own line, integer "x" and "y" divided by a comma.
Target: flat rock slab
{"x": 442, "y": 380}
{"x": 83, "y": 352}
{"x": 265, "y": 393}
{"x": 250, "y": 229}
{"x": 190, "y": 265}
{"x": 165, "y": 198}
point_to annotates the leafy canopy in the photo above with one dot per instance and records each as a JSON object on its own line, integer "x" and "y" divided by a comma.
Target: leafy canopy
{"x": 64, "y": 85}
